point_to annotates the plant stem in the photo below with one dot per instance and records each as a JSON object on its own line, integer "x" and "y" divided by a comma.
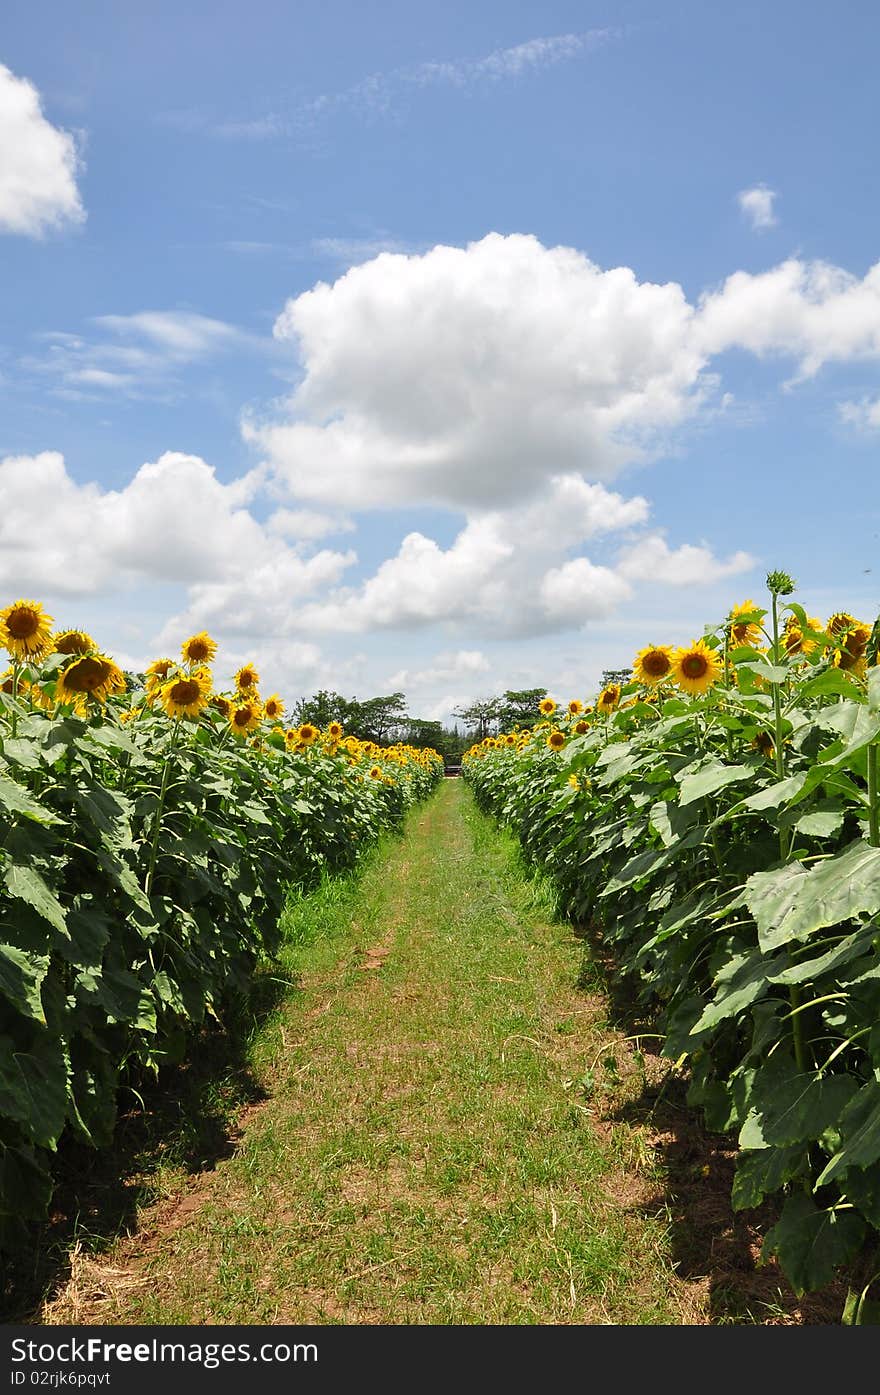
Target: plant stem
{"x": 163, "y": 790}
{"x": 873, "y": 799}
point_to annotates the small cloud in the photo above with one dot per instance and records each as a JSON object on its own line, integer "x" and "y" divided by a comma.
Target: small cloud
{"x": 38, "y": 164}
{"x": 863, "y": 415}
{"x": 757, "y": 205}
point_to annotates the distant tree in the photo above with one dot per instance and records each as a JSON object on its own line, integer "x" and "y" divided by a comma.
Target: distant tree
{"x": 616, "y": 675}
{"x": 519, "y": 707}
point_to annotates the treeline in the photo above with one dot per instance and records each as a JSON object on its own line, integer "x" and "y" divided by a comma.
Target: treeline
{"x": 385, "y": 719}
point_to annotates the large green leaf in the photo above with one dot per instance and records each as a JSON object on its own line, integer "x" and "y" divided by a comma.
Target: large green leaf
{"x": 25, "y": 1184}
{"x": 790, "y": 903}
{"x": 21, "y": 977}
{"x": 859, "y": 1134}
{"x": 713, "y": 776}
{"x": 801, "y": 1108}
{"x": 33, "y": 1088}
{"x": 26, "y": 884}
{"x": 810, "y": 1243}
{"x": 763, "y": 1171}
{"x": 18, "y": 801}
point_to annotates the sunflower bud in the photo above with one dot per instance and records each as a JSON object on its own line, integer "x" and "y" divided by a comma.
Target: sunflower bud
{"x": 780, "y": 583}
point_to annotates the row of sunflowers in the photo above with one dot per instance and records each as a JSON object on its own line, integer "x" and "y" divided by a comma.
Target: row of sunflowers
{"x": 715, "y": 823}
{"x": 150, "y": 830}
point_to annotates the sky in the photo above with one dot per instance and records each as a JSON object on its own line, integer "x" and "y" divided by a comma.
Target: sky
{"x": 436, "y": 349}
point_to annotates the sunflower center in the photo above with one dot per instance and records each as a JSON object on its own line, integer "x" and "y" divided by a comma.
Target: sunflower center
{"x": 197, "y": 649}
{"x": 246, "y": 680}
{"x": 241, "y": 716}
{"x": 85, "y": 675}
{"x": 695, "y": 666}
{"x": 23, "y": 622}
{"x": 656, "y": 663}
{"x": 185, "y": 691}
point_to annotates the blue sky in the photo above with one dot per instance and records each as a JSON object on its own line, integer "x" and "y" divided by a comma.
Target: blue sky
{"x": 436, "y": 348}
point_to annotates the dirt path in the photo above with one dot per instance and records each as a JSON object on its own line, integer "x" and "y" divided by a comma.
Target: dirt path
{"x": 428, "y": 1152}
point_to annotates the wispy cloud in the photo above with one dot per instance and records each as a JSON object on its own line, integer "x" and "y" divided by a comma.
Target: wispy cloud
{"x": 757, "y": 205}
{"x": 135, "y": 355}
{"x": 380, "y": 94}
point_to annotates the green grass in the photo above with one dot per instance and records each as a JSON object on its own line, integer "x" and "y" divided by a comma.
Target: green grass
{"x": 427, "y": 1153}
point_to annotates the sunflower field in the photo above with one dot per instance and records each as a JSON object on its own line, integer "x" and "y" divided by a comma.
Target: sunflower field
{"x": 150, "y": 828}
{"x": 716, "y": 821}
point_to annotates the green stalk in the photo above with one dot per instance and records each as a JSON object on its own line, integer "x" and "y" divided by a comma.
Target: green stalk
{"x": 797, "y": 1028}
{"x": 160, "y": 808}
{"x": 16, "y": 669}
{"x": 873, "y": 799}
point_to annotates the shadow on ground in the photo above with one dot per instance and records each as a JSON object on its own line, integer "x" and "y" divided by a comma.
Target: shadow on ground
{"x": 189, "y": 1119}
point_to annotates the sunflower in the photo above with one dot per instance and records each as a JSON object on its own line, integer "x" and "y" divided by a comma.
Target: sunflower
{"x": 851, "y": 656}
{"x": 575, "y": 708}
{"x": 744, "y": 631}
{"x": 653, "y": 664}
{"x": 25, "y": 630}
{"x": 547, "y": 706}
{"x": 247, "y": 679}
{"x": 793, "y": 638}
{"x": 198, "y": 649}
{"x": 574, "y": 782}
{"x": 89, "y": 676}
{"x": 696, "y": 668}
{"x": 244, "y": 716}
{"x": 556, "y": 740}
{"x": 581, "y": 727}
{"x": 334, "y": 731}
{"x": 840, "y": 623}
{"x": 222, "y": 704}
{"x": 763, "y": 742}
{"x": 73, "y": 642}
{"x": 273, "y": 708}
{"x": 608, "y": 698}
{"x": 307, "y": 734}
{"x": 188, "y": 694}
{"x": 375, "y": 772}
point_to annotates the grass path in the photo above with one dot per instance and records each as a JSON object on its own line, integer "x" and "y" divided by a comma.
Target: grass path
{"x": 425, "y": 1153}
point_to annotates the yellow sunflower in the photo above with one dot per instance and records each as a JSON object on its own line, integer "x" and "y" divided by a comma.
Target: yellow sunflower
{"x": 608, "y": 698}
{"x": 696, "y": 668}
{"x": 575, "y": 708}
{"x": 851, "y": 656}
{"x": 581, "y": 727}
{"x": 188, "y": 694}
{"x": 273, "y": 708}
{"x": 25, "y": 630}
{"x": 307, "y": 734}
{"x": 244, "y": 716}
{"x": 375, "y": 772}
{"x": 547, "y": 706}
{"x": 744, "y": 631}
{"x": 247, "y": 679}
{"x": 222, "y": 704}
{"x": 89, "y": 676}
{"x": 198, "y": 649}
{"x": 556, "y": 740}
{"x": 574, "y": 782}
{"x": 653, "y": 664}
{"x": 793, "y": 638}
{"x": 334, "y": 731}
{"x": 73, "y": 642}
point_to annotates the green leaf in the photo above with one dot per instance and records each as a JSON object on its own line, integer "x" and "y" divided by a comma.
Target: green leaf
{"x": 810, "y": 1243}
{"x": 21, "y": 977}
{"x": 822, "y": 823}
{"x": 859, "y": 1134}
{"x": 33, "y": 1088}
{"x": 21, "y": 752}
{"x": 831, "y": 682}
{"x": 771, "y": 673}
{"x": 763, "y": 1171}
{"x": 713, "y": 776}
{"x": 744, "y": 978}
{"x": 774, "y": 795}
{"x": 857, "y": 727}
{"x": 799, "y": 1109}
{"x": 790, "y": 903}
{"x": 18, "y": 801}
{"x": 846, "y": 951}
{"x": 25, "y": 1183}
{"x": 27, "y": 884}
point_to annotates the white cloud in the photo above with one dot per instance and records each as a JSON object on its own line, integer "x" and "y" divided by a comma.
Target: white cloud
{"x": 757, "y": 205}
{"x": 174, "y": 523}
{"x": 469, "y": 376}
{"x": 38, "y": 164}
{"x": 580, "y": 591}
{"x": 445, "y": 668}
{"x": 652, "y": 559}
{"x": 864, "y": 415}
{"x": 511, "y": 62}
{"x": 139, "y": 353}
{"x": 811, "y": 311}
